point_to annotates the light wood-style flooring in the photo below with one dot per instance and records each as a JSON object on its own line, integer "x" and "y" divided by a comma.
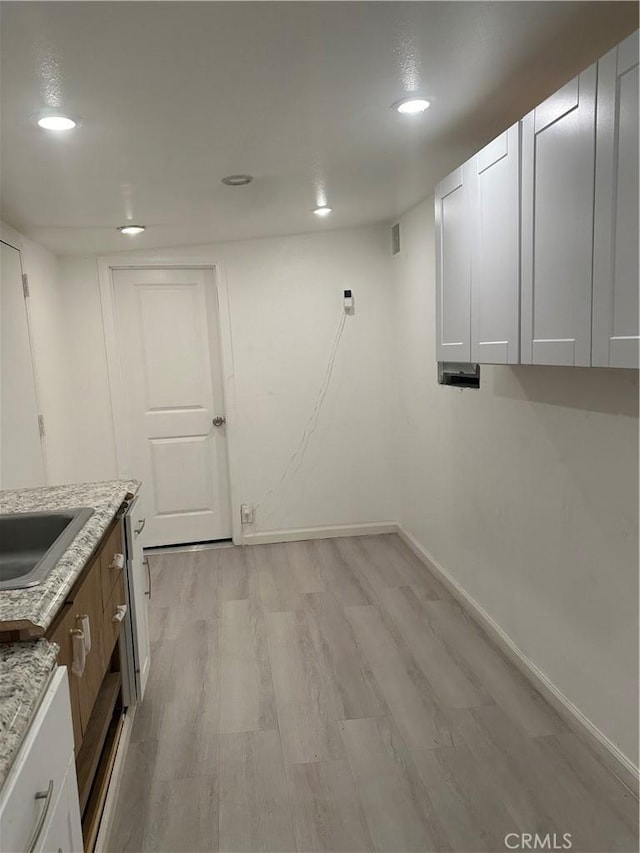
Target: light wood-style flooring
{"x": 332, "y": 696}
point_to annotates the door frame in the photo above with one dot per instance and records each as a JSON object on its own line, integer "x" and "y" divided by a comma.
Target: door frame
{"x": 14, "y": 240}
{"x": 106, "y": 266}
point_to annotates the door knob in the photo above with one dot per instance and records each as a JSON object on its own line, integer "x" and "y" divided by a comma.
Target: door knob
{"x": 219, "y": 421}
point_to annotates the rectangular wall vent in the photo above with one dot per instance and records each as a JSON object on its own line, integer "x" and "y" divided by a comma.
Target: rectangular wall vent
{"x": 395, "y": 239}
{"x": 459, "y": 375}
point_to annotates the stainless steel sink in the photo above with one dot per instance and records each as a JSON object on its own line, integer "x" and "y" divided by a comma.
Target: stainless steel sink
{"x": 31, "y": 543}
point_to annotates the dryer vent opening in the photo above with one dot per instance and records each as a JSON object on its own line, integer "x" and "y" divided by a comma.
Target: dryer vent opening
{"x": 459, "y": 375}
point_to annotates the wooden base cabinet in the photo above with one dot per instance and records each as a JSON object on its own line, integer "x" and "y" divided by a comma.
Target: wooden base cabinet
{"x": 88, "y": 632}
{"x": 96, "y": 602}
{"x": 101, "y": 670}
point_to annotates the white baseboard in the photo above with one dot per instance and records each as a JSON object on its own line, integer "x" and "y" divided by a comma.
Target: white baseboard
{"x": 300, "y": 533}
{"x": 114, "y": 783}
{"x": 606, "y": 750}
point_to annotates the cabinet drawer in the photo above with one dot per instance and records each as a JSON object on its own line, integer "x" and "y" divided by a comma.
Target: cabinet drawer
{"x": 111, "y": 629}
{"x": 109, "y": 573}
{"x": 40, "y": 768}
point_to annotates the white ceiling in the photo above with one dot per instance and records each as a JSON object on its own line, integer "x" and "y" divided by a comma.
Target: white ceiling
{"x": 173, "y": 96}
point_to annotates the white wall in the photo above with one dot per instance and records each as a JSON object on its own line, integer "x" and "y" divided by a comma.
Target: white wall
{"x": 85, "y": 399}
{"x": 285, "y": 306}
{"x": 526, "y": 492}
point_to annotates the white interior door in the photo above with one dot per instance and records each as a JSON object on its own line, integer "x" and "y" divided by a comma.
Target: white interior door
{"x": 21, "y": 457}
{"x": 167, "y": 333}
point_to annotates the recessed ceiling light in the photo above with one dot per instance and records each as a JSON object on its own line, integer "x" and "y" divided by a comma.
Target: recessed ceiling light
{"x": 322, "y": 211}
{"x": 237, "y": 180}
{"x": 411, "y": 106}
{"x": 57, "y": 123}
{"x": 131, "y": 229}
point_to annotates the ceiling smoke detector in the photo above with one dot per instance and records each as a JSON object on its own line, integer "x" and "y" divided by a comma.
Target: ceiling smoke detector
{"x": 237, "y": 180}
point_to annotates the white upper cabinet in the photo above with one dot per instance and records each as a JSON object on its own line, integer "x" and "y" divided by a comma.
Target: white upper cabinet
{"x": 537, "y": 234}
{"x": 558, "y": 161}
{"x": 494, "y": 204}
{"x": 453, "y": 267}
{"x": 615, "y": 250}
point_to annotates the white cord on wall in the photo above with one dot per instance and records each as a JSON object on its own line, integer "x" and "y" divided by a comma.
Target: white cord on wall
{"x": 297, "y": 457}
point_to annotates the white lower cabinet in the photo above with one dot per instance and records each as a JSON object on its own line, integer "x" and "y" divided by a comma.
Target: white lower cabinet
{"x": 63, "y": 832}
{"x": 615, "y": 247}
{"x": 39, "y": 806}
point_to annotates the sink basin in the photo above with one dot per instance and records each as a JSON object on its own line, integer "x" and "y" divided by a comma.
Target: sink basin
{"x": 31, "y": 543}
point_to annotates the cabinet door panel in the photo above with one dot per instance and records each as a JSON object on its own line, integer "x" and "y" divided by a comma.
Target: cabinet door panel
{"x": 615, "y": 257}
{"x": 111, "y": 629}
{"x": 89, "y": 602}
{"x": 557, "y": 105}
{"x": 453, "y": 268}
{"x": 494, "y": 192}
{"x": 109, "y": 572}
{"x": 64, "y": 830}
{"x": 558, "y": 157}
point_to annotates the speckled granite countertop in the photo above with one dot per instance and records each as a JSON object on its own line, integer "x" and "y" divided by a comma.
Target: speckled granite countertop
{"x": 24, "y": 674}
{"x": 36, "y": 607}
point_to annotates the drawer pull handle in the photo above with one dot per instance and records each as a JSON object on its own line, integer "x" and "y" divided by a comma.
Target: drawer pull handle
{"x": 47, "y": 796}
{"x": 117, "y": 561}
{"x": 145, "y": 562}
{"x": 139, "y": 530}
{"x": 79, "y": 652}
{"x": 85, "y": 627}
{"x": 121, "y": 612}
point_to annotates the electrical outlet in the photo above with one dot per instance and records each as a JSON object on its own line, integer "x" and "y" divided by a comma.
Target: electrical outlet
{"x": 246, "y": 513}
